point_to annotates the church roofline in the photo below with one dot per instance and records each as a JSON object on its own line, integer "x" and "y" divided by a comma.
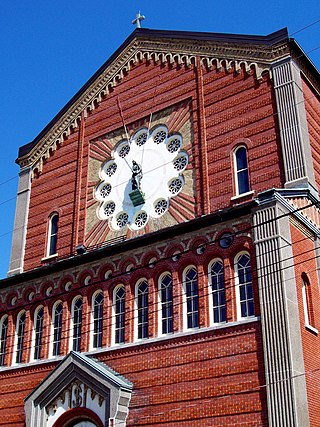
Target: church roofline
{"x": 141, "y": 33}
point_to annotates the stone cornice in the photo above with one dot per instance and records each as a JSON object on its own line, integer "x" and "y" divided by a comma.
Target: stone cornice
{"x": 251, "y": 57}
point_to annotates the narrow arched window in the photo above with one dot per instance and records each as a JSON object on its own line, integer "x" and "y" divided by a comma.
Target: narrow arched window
{"x": 142, "y": 309}
{"x": 166, "y": 304}
{"x": 76, "y": 323}
{"x": 244, "y": 288}
{"x": 3, "y": 338}
{"x": 53, "y": 235}
{"x": 97, "y": 312}
{"x": 307, "y": 301}
{"x": 216, "y": 278}
{"x": 57, "y": 313}
{"x": 241, "y": 170}
{"x": 20, "y": 330}
{"x": 190, "y": 279}
{"x": 119, "y": 296}
{"x": 38, "y": 333}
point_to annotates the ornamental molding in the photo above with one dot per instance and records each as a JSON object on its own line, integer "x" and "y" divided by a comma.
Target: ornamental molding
{"x": 254, "y": 58}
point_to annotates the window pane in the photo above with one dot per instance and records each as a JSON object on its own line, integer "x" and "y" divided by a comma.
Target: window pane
{"x": 242, "y": 173}
{"x": 53, "y": 235}
{"x": 57, "y": 329}
{"x": 192, "y": 303}
{"x": 20, "y": 337}
{"x": 38, "y": 325}
{"x": 218, "y": 292}
{"x": 77, "y": 321}
{"x": 3, "y": 340}
{"x": 119, "y": 309}
{"x": 245, "y": 288}
{"x": 97, "y": 320}
{"x": 142, "y": 304}
{"x": 166, "y": 304}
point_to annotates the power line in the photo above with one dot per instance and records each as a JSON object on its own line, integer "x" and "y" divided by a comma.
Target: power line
{"x": 304, "y": 28}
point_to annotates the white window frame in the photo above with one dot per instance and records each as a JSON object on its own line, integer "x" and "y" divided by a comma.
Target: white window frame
{"x": 15, "y": 347}
{"x": 238, "y": 284}
{"x": 75, "y": 299}
{"x": 236, "y": 171}
{"x": 136, "y": 317}
{"x": 3, "y": 351}
{"x": 34, "y": 333}
{"x": 52, "y": 329}
{"x": 114, "y": 314}
{"x": 160, "y": 304}
{"x": 51, "y": 236}
{"x": 211, "y": 293}
{"x": 92, "y": 320}
{"x": 185, "y": 299}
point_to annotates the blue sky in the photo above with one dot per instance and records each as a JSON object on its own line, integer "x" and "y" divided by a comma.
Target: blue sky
{"x": 49, "y": 49}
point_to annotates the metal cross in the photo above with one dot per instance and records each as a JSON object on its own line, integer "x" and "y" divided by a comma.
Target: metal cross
{"x": 138, "y": 19}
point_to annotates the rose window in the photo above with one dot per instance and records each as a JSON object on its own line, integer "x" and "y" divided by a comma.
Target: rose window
{"x": 175, "y": 186}
{"x": 122, "y": 219}
{"x": 109, "y": 208}
{"x": 105, "y": 190}
{"x": 138, "y": 183}
{"x": 160, "y": 137}
{"x": 161, "y": 206}
{"x": 141, "y": 219}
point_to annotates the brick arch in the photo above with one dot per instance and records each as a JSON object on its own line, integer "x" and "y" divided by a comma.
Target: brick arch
{"x": 76, "y": 415}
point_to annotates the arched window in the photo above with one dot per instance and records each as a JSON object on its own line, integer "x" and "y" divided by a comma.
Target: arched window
{"x": 216, "y": 279}
{"x": 97, "y": 314}
{"x": 241, "y": 170}
{"x": 142, "y": 309}
{"x": 38, "y": 333}
{"x": 76, "y": 323}
{"x": 243, "y": 280}
{"x": 190, "y": 280}
{"x": 52, "y": 234}
{"x": 57, "y": 313}
{"x": 3, "y": 338}
{"x": 307, "y": 301}
{"x": 166, "y": 304}
{"x": 20, "y": 330}
{"x": 119, "y": 297}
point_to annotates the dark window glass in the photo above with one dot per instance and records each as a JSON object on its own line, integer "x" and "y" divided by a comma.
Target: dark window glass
{"x": 243, "y": 268}
{"x": 242, "y": 170}
{"x": 166, "y": 304}
{"x": 97, "y": 320}
{"x": 192, "y": 298}
{"x": 57, "y": 329}
{"x": 142, "y": 305}
{"x": 119, "y": 311}
{"x": 38, "y": 331}
{"x": 77, "y": 322}
{"x": 3, "y": 339}
{"x": 20, "y": 337}
{"x": 53, "y": 234}
{"x": 218, "y": 292}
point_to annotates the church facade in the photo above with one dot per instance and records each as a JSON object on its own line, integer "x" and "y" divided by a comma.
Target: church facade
{"x": 165, "y": 255}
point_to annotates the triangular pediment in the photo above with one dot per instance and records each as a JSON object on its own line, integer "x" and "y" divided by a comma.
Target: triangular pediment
{"x": 231, "y": 53}
{"x": 79, "y": 382}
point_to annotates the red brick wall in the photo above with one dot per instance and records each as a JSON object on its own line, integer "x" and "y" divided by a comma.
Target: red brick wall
{"x": 312, "y": 104}
{"x": 306, "y": 262}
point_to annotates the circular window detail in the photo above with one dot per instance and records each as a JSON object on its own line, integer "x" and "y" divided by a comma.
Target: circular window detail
{"x": 109, "y": 208}
{"x": 105, "y": 190}
{"x": 141, "y": 219}
{"x": 180, "y": 162}
{"x": 124, "y": 150}
{"x": 160, "y": 136}
{"x": 175, "y": 185}
{"x": 110, "y": 168}
{"x": 141, "y": 139}
{"x": 122, "y": 219}
{"x": 174, "y": 145}
{"x": 161, "y": 206}
{"x": 226, "y": 240}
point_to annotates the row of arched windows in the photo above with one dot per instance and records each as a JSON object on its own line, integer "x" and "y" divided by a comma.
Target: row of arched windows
{"x": 142, "y": 309}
